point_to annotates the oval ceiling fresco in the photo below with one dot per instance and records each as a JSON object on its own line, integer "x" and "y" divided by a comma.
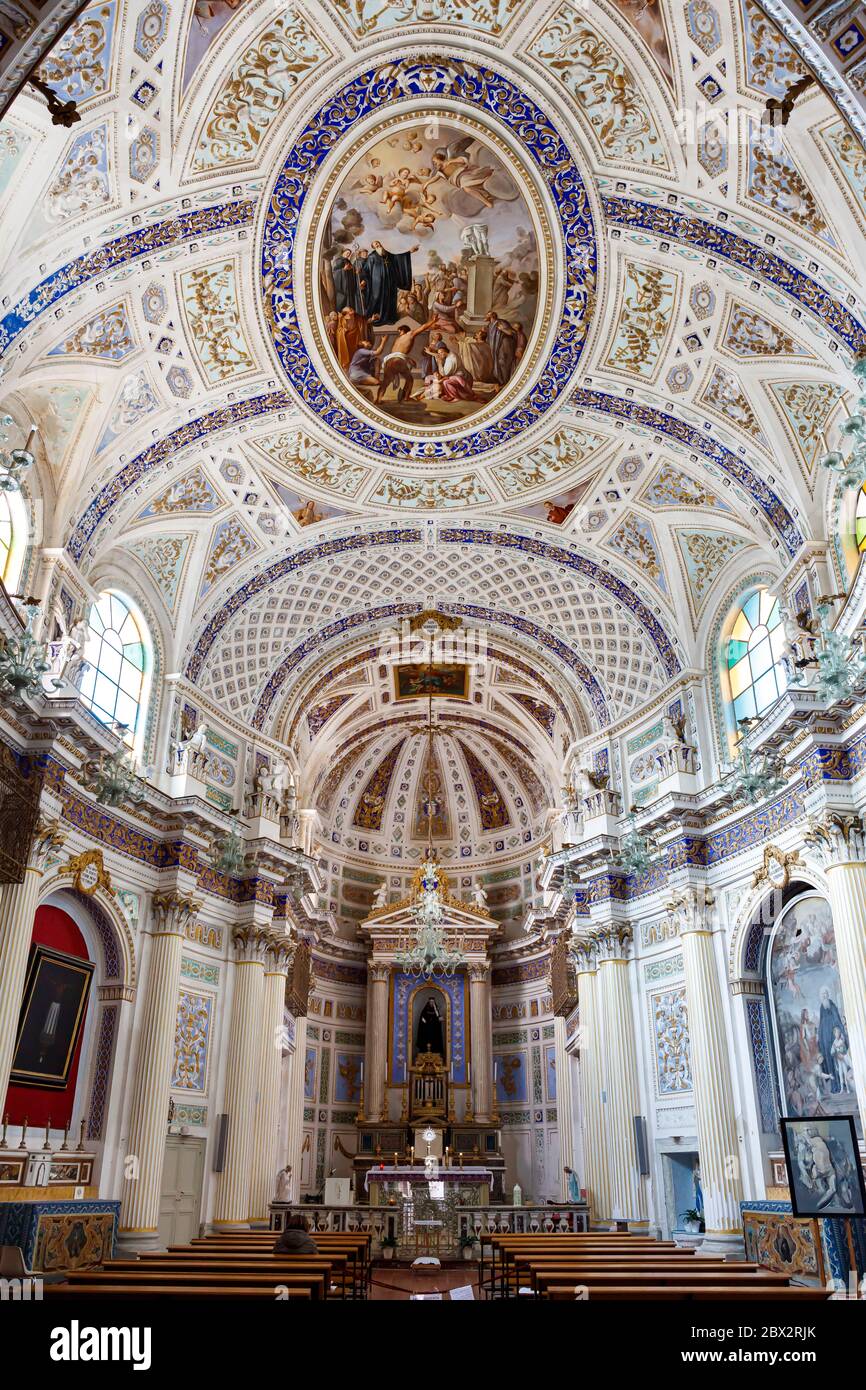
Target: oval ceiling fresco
{"x": 427, "y": 275}
{"x": 423, "y": 322}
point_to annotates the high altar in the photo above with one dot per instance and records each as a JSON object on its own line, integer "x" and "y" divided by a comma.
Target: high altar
{"x": 428, "y": 1072}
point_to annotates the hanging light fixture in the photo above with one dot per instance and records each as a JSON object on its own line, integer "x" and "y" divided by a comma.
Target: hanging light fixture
{"x": 113, "y": 777}
{"x": 636, "y": 853}
{"x": 429, "y": 955}
{"x": 24, "y": 662}
{"x": 229, "y": 851}
{"x": 14, "y": 462}
{"x": 749, "y": 778}
{"x": 851, "y": 471}
{"x": 840, "y": 658}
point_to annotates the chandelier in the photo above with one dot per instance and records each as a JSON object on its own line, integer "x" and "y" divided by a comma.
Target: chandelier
{"x": 840, "y": 658}
{"x": 851, "y": 471}
{"x": 429, "y": 954}
{"x": 636, "y": 853}
{"x": 749, "y": 778}
{"x": 15, "y": 462}
{"x": 229, "y": 851}
{"x": 113, "y": 777}
{"x": 24, "y": 661}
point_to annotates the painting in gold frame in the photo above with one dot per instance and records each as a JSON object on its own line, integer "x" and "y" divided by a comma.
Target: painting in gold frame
{"x": 418, "y": 680}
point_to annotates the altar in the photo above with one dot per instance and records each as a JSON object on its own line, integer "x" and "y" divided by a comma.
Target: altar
{"x": 390, "y": 1185}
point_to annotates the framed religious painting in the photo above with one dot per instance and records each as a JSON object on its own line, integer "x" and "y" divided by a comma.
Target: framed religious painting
{"x": 824, "y": 1172}
{"x": 51, "y": 1018}
{"x": 420, "y": 680}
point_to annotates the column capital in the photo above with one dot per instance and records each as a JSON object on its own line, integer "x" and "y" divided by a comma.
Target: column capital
{"x": 173, "y": 912}
{"x": 612, "y": 942}
{"x": 378, "y": 973}
{"x": 585, "y": 956}
{"x": 279, "y": 952}
{"x": 693, "y": 909}
{"x": 478, "y": 972}
{"x": 48, "y": 837}
{"x": 836, "y": 837}
{"x": 251, "y": 943}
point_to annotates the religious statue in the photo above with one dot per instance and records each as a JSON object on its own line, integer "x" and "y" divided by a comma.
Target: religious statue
{"x": 380, "y": 897}
{"x": 573, "y": 1188}
{"x": 474, "y": 238}
{"x": 193, "y": 740}
{"x": 479, "y": 897}
{"x": 70, "y": 648}
{"x": 674, "y": 730}
{"x": 284, "y": 1184}
{"x": 570, "y": 817}
{"x": 430, "y": 1035}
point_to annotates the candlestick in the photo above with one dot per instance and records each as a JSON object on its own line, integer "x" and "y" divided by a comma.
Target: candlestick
{"x": 64, "y": 1145}
{"x": 5, "y": 1127}
{"x": 80, "y": 1138}
{"x": 395, "y": 1160}
{"x": 48, "y": 1134}
{"x": 34, "y": 430}
{"x": 23, "y": 1144}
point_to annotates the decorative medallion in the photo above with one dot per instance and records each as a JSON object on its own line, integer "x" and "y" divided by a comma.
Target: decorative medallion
{"x": 427, "y": 284}
{"x": 88, "y": 872}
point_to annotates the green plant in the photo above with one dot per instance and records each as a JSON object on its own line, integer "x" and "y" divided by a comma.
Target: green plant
{"x": 692, "y": 1214}
{"x": 467, "y": 1241}
{"x": 389, "y": 1242}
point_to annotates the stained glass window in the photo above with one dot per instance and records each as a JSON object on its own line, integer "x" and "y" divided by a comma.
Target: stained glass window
{"x": 118, "y": 657}
{"x": 755, "y": 647}
{"x": 860, "y": 519}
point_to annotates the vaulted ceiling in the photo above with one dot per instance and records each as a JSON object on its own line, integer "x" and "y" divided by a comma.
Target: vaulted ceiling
{"x": 689, "y": 287}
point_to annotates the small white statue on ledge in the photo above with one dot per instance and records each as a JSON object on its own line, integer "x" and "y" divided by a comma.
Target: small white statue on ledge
{"x": 479, "y": 897}
{"x": 380, "y": 897}
{"x": 284, "y": 1184}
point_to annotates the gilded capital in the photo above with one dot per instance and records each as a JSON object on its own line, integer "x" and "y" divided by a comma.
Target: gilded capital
{"x": 378, "y": 974}
{"x": 479, "y": 973}
{"x": 251, "y": 943}
{"x": 612, "y": 942}
{"x": 173, "y": 912}
{"x": 693, "y": 909}
{"x": 837, "y": 837}
{"x": 583, "y": 953}
{"x": 48, "y": 838}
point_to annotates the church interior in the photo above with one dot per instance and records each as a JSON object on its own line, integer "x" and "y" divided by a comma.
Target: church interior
{"x": 432, "y": 651}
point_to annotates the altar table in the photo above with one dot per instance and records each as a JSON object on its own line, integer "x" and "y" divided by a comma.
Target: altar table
{"x": 473, "y": 1184}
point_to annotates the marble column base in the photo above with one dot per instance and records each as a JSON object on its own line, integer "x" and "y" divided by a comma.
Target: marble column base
{"x": 130, "y": 1243}
{"x": 722, "y": 1246}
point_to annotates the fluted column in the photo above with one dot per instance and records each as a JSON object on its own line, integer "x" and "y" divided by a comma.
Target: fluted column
{"x": 375, "y": 1093}
{"x": 715, "y": 1118}
{"x": 591, "y": 1082}
{"x": 267, "y": 1117}
{"x": 17, "y": 911}
{"x": 148, "y": 1118}
{"x": 564, "y": 1106}
{"x": 482, "y": 1041}
{"x": 838, "y": 842}
{"x": 626, "y": 1192}
{"x": 296, "y": 1106}
{"x": 231, "y": 1205}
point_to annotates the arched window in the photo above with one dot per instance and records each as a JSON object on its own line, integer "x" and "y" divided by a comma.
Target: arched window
{"x": 860, "y": 520}
{"x": 119, "y": 659}
{"x": 756, "y": 641}
{"x": 13, "y": 537}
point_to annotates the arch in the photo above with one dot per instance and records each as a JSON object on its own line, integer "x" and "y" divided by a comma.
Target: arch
{"x": 714, "y": 654}
{"x": 753, "y": 677}
{"x": 119, "y": 653}
{"x": 116, "y": 947}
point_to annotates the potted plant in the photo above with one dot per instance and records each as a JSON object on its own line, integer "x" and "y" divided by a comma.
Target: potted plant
{"x": 389, "y": 1245}
{"x": 467, "y": 1245}
{"x": 692, "y": 1221}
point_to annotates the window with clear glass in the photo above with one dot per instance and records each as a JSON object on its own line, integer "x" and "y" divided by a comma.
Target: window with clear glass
{"x": 860, "y": 519}
{"x": 5, "y": 534}
{"x": 755, "y": 647}
{"x": 117, "y": 653}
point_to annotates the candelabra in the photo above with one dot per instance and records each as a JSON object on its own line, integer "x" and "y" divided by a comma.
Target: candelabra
{"x": 749, "y": 778}
{"x": 24, "y": 662}
{"x": 15, "y": 462}
{"x": 113, "y": 777}
{"x": 851, "y": 471}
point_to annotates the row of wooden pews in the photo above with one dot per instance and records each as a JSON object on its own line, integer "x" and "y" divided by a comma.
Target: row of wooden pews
{"x": 236, "y": 1265}
{"x": 607, "y": 1266}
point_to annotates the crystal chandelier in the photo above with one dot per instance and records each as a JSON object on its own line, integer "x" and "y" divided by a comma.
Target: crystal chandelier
{"x": 15, "y": 462}
{"x": 636, "y": 854}
{"x": 429, "y": 954}
{"x": 229, "y": 852}
{"x": 113, "y": 777}
{"x": 24, "y": 661}
{"x": 840, "y": 658}
{"x": 753, "y": 779}
{"x": 851, "y": 471}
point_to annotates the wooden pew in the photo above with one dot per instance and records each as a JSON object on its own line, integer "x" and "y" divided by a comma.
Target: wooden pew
{"x": 316, "y": 1284}
{"x": 168, "y": 1290}
{"x": 334, "y": 1267}
{"x": 692, "y": 1292}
